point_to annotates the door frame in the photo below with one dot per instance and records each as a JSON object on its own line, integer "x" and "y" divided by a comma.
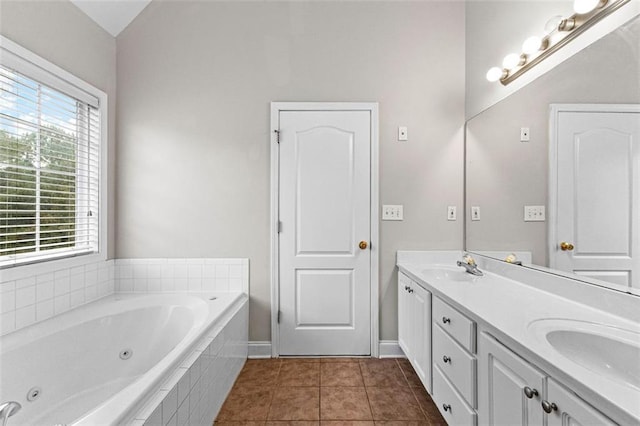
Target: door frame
{"x": 276, "y": 108}
{"x": 554, "y": 119}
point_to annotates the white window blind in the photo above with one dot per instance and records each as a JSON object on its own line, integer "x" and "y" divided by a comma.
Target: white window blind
{"x": 49, "y": 167}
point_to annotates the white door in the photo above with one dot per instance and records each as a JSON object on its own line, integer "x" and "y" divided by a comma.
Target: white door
{"x": 324, "y": 210}
{"x": 598, "y": 194}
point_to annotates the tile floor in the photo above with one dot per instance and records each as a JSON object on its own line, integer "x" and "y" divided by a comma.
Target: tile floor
{"x": 338, "y": 391}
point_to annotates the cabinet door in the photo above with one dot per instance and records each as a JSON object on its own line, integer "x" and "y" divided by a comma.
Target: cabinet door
{"x": 571, "y": 410}
{"x": 403, "y": 313}
{"x": 502, "y": 379}
{"x": 421, "y": 337}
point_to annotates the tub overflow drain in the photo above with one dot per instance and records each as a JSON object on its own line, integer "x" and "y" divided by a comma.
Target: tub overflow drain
{"x": 34, "y": 393}
{"x": 126, "y": 353}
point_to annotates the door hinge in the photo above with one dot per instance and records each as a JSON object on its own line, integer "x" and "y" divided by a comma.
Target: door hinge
{"x": 279, "y": 315}
{"x": 279, "y": 227}
{"x": 277, "y": 132}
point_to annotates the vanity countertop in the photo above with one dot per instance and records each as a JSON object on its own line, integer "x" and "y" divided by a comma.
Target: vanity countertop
{"x": 509, "y": 308}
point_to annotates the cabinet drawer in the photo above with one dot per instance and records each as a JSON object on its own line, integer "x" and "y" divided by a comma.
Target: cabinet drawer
{"x": 457, "y": 412}
{"x": 460, "y": 367}
{"x": 461, "y": 328}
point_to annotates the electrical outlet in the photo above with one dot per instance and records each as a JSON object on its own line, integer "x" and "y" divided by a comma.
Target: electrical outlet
{"x": 534, "y": 214}
{"x": 524, "y": 134}
{"x": 475, "y": 213}
{"x": 451, "y": 213}
{"x": 392, "y": 212}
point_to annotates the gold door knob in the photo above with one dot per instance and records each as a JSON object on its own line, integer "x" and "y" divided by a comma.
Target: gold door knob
{"x": 564, "y": 246}
{"x": 362, "y": 245}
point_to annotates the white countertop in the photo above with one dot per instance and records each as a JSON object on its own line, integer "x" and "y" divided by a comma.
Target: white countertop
{"x": 509, "y": 307}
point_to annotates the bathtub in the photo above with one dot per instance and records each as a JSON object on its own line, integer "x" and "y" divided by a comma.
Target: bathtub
{"x": 101, "y": 363}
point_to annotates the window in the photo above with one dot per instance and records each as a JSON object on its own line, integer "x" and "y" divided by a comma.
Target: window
{"x": 50, "y": 143}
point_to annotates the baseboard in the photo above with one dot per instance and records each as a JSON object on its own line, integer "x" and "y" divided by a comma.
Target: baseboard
{"x": 390, "y": 349}
{"x": 260, "y": 349}
{"x": 387, "y": 349}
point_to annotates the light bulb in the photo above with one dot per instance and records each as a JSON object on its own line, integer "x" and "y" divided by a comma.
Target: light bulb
{"x": 494, "y": 74}
{"x": 511, "y": 61}
{"x": 532, "y": 45}
{"x": 585, "y": 6}
{"x": 552, "y": 24}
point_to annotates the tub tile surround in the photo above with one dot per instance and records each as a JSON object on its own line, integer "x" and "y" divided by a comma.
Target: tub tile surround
{"x": 506, "y": 304}
{"x": 36, "y": 298}
{"x": 182, "y": 275}
{"x": 195, "y": 391}
{"x": 30, "y": 299}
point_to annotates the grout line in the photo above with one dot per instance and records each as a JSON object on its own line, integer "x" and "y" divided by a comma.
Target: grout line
{"x": 366, "y": 392}
{"x": 274, "y": 388}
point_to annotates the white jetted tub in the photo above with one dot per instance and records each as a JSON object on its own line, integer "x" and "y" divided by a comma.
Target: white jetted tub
{"x": 96, "y": 364}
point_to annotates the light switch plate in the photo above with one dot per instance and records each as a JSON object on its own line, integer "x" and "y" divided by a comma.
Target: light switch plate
{"x": 534, "y": 214}
{"x": 451, "y": 213}
{"x": 475, "y": 213}
{"x": 392, "y": 212}
{"x": 403, "y": 134}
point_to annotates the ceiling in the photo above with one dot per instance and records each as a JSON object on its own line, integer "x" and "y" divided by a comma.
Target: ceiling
{"x": 112, "y": 15}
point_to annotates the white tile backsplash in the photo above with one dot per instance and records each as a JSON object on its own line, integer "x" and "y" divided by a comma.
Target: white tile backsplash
{"x": 35, "y": 298}
{"x": 182, "y": 275}
{"x": 43, "y": 295}
{"x": 25, "y": 296}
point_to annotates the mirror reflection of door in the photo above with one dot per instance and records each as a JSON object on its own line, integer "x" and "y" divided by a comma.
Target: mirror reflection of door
{"x": 596, "y": 181}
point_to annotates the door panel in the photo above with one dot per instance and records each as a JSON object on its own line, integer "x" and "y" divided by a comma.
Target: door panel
{"x": 324, "y": 208}
{"x": 502, "y": 378}
{"x": 572, "y": 411}
{"x": 598, "y": 169}
{"x": 316, "y": 290}
{"x": 421, "y": 323}
{"x": 602, "y": 200}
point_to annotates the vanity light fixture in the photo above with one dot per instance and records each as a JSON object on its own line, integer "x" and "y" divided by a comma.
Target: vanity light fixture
{"x": 559, "y": 31}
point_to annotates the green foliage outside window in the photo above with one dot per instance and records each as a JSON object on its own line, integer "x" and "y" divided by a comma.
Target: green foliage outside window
{"x": 54, "y": 151}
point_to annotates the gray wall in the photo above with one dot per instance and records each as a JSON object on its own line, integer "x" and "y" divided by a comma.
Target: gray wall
{"x": 194, "y": 84}
{"x": 59, "y": 32}
{"x": 504, "y": 174}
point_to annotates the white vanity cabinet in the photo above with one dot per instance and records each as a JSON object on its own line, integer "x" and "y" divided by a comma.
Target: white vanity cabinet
{"x": 568, "y": 409}
{"x": 502, "y": 380}
{"x": 454, "y": 364}
{"x": 414, "y": 326}
{"x": 511, "y": 392}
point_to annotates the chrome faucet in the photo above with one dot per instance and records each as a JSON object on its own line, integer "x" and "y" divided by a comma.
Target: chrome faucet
{"x": 8, "y": 409}
{"x": 470, "y": 265}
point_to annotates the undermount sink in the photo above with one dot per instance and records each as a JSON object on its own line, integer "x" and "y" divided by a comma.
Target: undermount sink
{"x": 448, "y": 274}
{"x": 609, "y": 351}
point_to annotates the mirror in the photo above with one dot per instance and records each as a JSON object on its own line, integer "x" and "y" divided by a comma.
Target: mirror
{"x": 503, "y": 174}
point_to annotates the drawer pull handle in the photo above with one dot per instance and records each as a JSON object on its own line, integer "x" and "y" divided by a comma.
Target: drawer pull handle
{"x": 530, "y": 393}
{"x": 410, "y": 290}
{"x": 549, "y": 406}
{"x": 445, "y": 320}
{"x": 446, "y": 407}
{"x": 446, "y": 359}
{"x": 406, "y": 288}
